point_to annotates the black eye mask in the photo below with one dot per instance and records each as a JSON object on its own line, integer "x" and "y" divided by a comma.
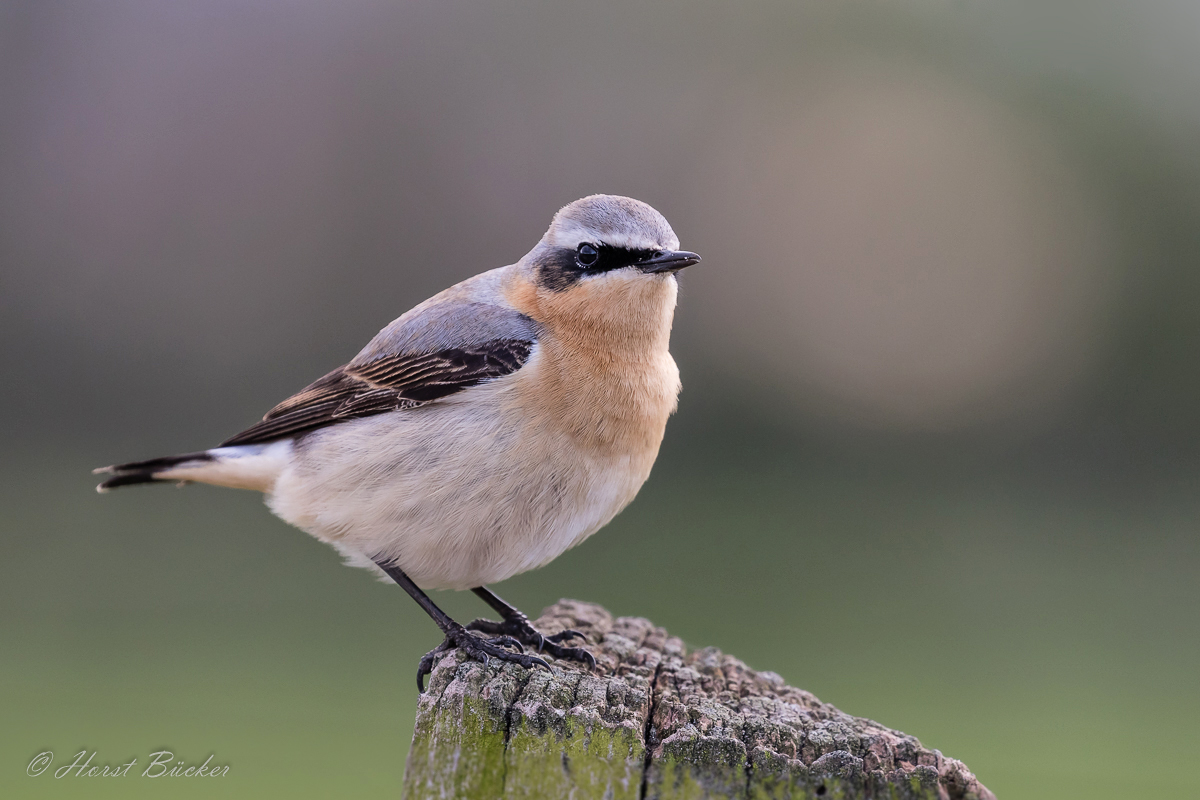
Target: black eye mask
{"x": 563, "y": 267}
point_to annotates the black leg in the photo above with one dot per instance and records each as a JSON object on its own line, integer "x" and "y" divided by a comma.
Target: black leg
{"x": 498, "y": 605}
{"x": 517, "y": 625}
{"x": 457, "y": 635}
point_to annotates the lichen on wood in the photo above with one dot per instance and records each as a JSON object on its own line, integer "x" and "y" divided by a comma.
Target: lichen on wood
{"x": 654, "y": 721}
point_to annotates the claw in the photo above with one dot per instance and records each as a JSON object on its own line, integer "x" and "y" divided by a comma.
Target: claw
{"x": 422, "y": 671}
{"x": 427, "y": 662}
{"x": 509, "y": 641}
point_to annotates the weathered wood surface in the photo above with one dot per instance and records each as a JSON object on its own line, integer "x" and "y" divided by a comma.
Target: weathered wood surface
{"x": 654, "y": 721}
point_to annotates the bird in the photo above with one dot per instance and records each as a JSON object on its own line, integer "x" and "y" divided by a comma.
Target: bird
{"x": 484, "y": 432}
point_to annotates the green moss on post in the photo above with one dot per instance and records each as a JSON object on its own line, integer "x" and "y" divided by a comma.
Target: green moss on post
{"x": 654, "y": 721}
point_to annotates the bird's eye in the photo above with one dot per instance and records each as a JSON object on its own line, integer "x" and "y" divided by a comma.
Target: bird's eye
{"x": 587, "y": 255}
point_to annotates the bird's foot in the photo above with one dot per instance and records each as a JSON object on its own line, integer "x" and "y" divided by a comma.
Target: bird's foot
{"x": 477, "y": 648}
{"x": 517, "y": 626}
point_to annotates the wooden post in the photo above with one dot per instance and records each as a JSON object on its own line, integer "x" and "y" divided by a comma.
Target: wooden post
{"x": 654, "y": 721}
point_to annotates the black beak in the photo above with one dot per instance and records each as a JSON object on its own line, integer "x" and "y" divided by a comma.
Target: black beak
{"x": 668, "y": 261}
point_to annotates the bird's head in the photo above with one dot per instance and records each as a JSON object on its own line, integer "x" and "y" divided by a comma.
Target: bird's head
{"x": 606, "y": 241}
{"x": 603, "y": 275}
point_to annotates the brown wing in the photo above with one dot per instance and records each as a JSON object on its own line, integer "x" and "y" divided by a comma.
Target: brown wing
{"x": 388, "y": 383}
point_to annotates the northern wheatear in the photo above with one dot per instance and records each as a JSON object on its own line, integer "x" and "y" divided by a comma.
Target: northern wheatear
{"x": 484, "y": 432}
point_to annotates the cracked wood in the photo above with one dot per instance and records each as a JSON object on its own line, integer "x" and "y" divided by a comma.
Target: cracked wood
{"x": 654, "y": 721}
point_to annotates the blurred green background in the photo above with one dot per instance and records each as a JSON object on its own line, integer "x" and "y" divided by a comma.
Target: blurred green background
{"x": 938, "y": 450}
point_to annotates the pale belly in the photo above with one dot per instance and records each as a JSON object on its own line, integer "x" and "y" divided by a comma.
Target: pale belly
{"x": 456, "y": 495}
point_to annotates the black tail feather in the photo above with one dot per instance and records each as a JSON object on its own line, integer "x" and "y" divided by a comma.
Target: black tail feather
{"x": 136, "y": 472}
{"x": 129, "y": 479}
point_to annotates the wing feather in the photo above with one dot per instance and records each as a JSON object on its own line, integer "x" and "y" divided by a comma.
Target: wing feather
{"x": 387, "y": 383}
